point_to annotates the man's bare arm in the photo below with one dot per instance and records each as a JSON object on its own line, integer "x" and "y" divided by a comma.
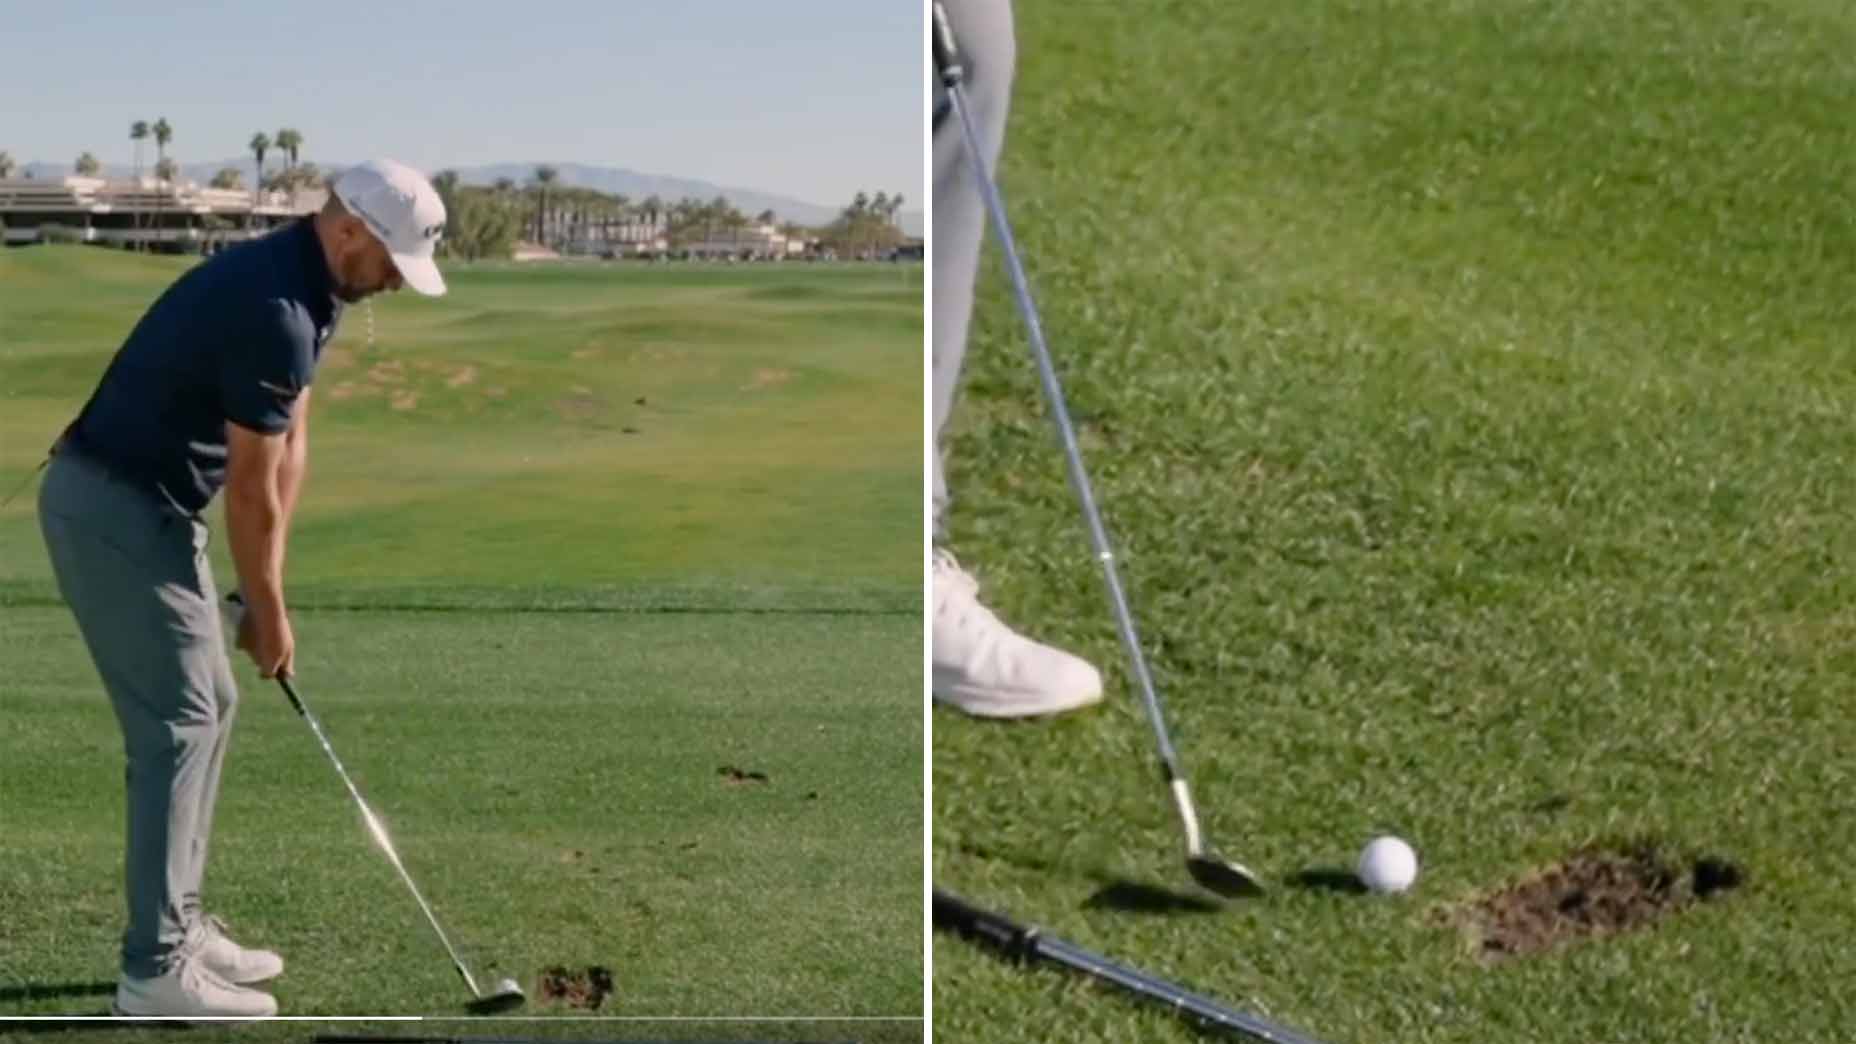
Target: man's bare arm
{"x": 255, "y": 523}
{"x": 295, "y": 464}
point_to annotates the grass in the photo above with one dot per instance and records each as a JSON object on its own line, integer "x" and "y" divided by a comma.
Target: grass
{"x": 1466, "y": 385}
{"x": 576, "y": 542}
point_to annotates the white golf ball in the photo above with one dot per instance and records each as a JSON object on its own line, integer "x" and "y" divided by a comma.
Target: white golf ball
{"x": 1387, "y": 864}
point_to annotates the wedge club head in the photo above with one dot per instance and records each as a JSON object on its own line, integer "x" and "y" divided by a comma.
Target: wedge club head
{"x": 506, "y": 995}
{"x": 1223, "y": 876}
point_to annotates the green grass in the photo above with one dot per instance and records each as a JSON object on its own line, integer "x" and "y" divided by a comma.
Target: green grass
{"x": 536, "y": 639}
{"x": 1468, "y": 388}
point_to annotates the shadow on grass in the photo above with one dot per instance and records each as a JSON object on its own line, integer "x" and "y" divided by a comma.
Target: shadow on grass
{"x": 1134, "y": 897}
{"x": 1116, "y": 893}
{"x": 46, "y": 991}
{"x": 1328, "y": 879}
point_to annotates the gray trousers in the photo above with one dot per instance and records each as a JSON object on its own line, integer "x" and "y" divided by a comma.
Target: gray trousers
{"x": 983, "y": 29}
{"x": 134, "y": 571}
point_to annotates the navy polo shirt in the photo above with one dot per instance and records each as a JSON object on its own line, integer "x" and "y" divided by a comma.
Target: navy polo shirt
{"x": 235, "y": 340}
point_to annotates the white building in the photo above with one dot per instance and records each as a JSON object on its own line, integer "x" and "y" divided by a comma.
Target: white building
{"x": 757, "y": 241}
{"x": 171, "y": 217}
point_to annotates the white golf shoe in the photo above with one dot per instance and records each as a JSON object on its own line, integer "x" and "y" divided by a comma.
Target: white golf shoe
{"x": 986, "y": 669}
{"x": 189, "y": 990}
{"x": 232, "y": 962}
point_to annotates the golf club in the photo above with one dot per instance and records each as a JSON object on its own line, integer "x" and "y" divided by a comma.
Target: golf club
{"x": 1207, "y": 868}
{"x": 1021, "y": 943}
{"x": 374, "y": 1038}
{"x": 506, "y": 994}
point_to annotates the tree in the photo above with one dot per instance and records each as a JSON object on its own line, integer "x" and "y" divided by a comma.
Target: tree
{"x": 164, "y": 133}
{"x": 138, "y": 133}
{"x": 289, "y": 141}
{"x": 480, "y": 222}
{"x": 164, "y": 171}
{"x": 445, "y": 183}
{"x": 544, "y": 176}
{"x": 259, "y": 145}
{"x": 6, "y": 165}
{"x": 87, "y": 165}
{"x": 229, "y": 178}
{"x": 767, "y": 217}
{"x": 866, "y": 224}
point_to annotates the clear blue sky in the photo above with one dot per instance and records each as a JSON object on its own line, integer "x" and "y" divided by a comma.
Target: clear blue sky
{"x": 812, "y": 99}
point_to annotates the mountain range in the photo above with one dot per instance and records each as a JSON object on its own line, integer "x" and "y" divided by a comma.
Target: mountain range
{"x": 617, "y": 180}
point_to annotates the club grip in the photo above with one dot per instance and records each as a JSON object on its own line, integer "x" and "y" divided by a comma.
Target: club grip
{"x": 283, "y": 682}
{"x": 946, "y": 52}
{"x": 953, "y": 912}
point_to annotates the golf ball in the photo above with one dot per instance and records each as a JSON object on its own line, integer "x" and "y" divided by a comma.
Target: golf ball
{"x": 1387, "y": 864}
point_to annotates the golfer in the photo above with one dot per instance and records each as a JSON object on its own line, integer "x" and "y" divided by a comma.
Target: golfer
{"x": 981, "y": 666}
{"x": 210, "y": 390}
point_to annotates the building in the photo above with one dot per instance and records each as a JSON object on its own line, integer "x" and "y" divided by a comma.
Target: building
{"x": 143, "y": 213}
{"x": 756, "y": 242}
{"x": 581, "y": 235}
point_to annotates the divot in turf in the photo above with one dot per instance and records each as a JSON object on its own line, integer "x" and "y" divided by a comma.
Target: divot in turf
{"x": 1598, "y": 891}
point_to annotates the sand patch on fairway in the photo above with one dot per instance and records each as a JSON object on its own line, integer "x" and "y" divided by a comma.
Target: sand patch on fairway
{"x": 585, "y": 353}
{"x": 405, "y": 400}
{"x": 767, "y": 379}
{"x": 467, "y": 375}
{"x": 495, "y": 391}
{"x": 1596, "y": 892}
{"x": 393, "y": 372}
{"x": 355, "y": 390}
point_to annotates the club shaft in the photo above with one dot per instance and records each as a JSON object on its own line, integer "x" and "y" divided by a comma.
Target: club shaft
{"x": 382, "y": 1038}
{"x": 377, "y": 828}
{"x": 1054, "y": 398}
{"x": 1027, "y": 943}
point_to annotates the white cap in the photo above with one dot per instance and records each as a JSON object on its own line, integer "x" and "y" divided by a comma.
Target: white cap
{"x": 402, "y": 209}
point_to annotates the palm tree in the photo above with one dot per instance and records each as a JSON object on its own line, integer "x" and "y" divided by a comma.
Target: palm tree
{"x": 138, "y": 133}
{"x": 653, "y": 210}
{"x": 87, "y": 165}
{"x": 714, "y": 213}
{"x": 164, "y": 133}
{"x": 290, "y": 140}
{"x": 545, "y": 176}
{"x": 259, "y": 145}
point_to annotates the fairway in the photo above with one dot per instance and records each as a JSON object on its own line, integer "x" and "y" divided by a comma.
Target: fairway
{"x": 1468, "y": 389}
{"x": 607, "y": 585}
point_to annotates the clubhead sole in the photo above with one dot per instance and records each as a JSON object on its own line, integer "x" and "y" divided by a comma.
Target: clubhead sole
{"x": 507, "y": 997}
{"x": 1224, "y": 877}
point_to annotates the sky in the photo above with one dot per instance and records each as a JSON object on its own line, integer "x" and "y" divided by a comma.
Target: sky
{"x": 810, "y": 99}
